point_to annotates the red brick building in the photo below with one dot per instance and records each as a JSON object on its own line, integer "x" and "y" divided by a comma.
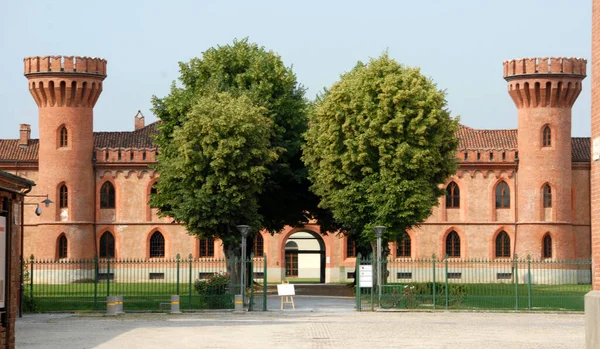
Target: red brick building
{"x": 524, "y": 191}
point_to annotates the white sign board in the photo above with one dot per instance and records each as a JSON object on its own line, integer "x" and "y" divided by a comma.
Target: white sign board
{"x": 596, "y": 149}
{"x": 365, "y": 276}
{"x": 3, "y": 233}
{"x": 286, "y": 290}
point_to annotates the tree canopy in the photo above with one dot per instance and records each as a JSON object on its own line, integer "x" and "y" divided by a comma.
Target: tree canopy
{"x": 380, "y": 143}
{"x": 219, "y": 187}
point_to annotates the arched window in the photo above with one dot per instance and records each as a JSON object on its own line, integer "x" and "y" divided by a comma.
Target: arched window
{"x": 107, "y": 195}
{"x": 403, "y": 246}
{"x": 547, "y": 137}
{"x": 502, "y": 195}
{"x": 350, "y": 247}
{"x": 61, "y": 247}
{"x": 547, "y": 246}
{"x": 207, "y": 247}
{"x": 547, "y": 196}
{"x": 259, "y": 246}
{"x": 453, "y": 245}
{"x": 107, "y": 245}
{"x": 502, "y": 245}
{"x": 64, "y": 196}
{"x": 452, "y": 195}
{"x": 157, "y": 245}
{"x": 64, "y": 137}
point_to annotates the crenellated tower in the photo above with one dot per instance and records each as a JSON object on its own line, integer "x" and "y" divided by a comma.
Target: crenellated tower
{"x": 66, "y": 89}
{"x": 544, "y": 91}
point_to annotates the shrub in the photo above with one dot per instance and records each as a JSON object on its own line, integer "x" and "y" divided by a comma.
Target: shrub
{"x": 214, "y": 285}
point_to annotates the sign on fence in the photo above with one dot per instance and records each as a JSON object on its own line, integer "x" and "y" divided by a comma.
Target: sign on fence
{"x": 366, "y": 276}
{"x": 2, "y": 259}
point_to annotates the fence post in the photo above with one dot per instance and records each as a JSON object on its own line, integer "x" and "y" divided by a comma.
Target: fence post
{"x": 31, "y": 279}
{"x": 251, "y": 282}
{"x": 434, "y": 288}
{"x": 516, "y": 282}
{"x": 446, "y": 263}
{"x": 529, "y": 282}
{"x": 190, "y": 282}
{"x": 357, "y": 281}
{"x": 264, "y": 282}
{"x": 108, "y": 276}
{"x": 95, "y": 282}
{"x": 178, "y": 259}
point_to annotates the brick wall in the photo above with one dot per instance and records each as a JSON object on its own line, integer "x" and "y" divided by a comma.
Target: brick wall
{"x": 595, "y": 171}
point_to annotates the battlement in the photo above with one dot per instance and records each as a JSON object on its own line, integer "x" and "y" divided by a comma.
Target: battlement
{"x": 544, "y": 65}
{"x": 65, "y": 64}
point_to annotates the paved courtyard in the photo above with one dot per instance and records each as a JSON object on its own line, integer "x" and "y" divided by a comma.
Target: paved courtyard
{"x": 317, "y": 322}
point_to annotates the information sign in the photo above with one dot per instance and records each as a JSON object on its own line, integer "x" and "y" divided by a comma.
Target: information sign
{"x": 365, "y": 276}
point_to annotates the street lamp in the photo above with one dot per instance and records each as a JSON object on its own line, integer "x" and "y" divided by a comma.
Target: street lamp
{"x": 38, "y": 209}
{"x": 379, "y": 233}
{"x": 244, "y": 229}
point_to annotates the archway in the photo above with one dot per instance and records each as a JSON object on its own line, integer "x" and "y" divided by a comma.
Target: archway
{"x": 305, "y": 256}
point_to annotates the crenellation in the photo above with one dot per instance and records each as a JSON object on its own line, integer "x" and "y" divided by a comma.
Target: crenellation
{"x": 65, "y": 64}
{"x": 544, "y": 65}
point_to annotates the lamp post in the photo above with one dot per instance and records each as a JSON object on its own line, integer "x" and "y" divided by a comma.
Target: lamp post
{"x": 243, "y": 229}
{"x": 379, "y": 233}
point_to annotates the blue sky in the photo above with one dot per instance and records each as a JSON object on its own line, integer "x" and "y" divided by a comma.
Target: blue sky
{"x": 460, "y": 44}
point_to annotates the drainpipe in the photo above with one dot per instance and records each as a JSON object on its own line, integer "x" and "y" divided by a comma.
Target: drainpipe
{"x": 516, "y": 203}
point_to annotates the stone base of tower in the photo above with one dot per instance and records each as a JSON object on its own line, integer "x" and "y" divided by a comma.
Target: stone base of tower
{"x": 592, "y": 320}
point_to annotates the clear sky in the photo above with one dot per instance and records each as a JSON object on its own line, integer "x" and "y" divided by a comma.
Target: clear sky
{"x": 460, "y": 44}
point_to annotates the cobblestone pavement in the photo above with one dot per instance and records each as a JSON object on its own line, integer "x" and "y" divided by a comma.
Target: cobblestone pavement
{"x": 316, "y": 323}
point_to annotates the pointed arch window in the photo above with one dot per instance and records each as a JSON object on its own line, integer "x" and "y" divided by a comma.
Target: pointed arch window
{"x": 157, "y": 245}
{"x": 350, "y": 247}
{"x": 453, "y": 245}
{"x": 403, "y": 246}
{"x": 64, "y": 137}
{"x": 547, "y": 137}
{"x": 502, "y": 195}
{"x": 502, "y": 245}
{"x": 107, "y": 195}
{"x": 107, "y": 245}
{"x": 63, "y": 196}
{"x": 452, "y": 195}
{"x": 547, "y": 196}
{"x": 207, "y": 247}
{"x": 547, "y": 246}
{"x": 62, "y": 247}
{"x": 259, "y": 246}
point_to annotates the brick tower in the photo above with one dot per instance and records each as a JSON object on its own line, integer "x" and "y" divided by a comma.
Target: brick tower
{"x": 66, "y": 89}
{"x": 544, "y": 91}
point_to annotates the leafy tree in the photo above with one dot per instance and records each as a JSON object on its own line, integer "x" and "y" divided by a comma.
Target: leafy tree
{"x": 268, "y": 191}
{"x": 380, "y": 143}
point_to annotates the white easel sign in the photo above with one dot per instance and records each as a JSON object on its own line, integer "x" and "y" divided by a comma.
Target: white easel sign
{"x": 2, "y": 260}
{"x": 286, "y": 290}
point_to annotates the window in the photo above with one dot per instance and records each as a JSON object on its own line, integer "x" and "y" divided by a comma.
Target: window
{"x": 107, "y": 245}
{"x": 207, "y": 247}
{"x": 453, "y": 245}
{"x": 259, "y": 246}
{"x": 63, "y": 196}
{"x": 62, "y": 247}
{"x": 157, "y": 245}
{"x": 502, "y": 195}
{"x": 466, "y": 156}
{"x": 478, "y": 156}
{"x": 547, "y": 246}
{"x": 144, "y": 156}
{"x": 503, "y": 156}
{"x": 547, "y": 137}
{"x": 64, "y": 137}
{"x": 350, "y": 248}
{"x": 403, "y": 246}
{"x": 119, "y": 155}
{"x": 107, "y": 195}
{"x": 547, "y": 196}
{"x": 491, "y": 156}
{"x": 452, "y": 195}
{"x": 502, "y": 245}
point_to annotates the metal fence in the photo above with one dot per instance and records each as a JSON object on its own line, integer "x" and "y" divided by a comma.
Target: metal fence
{"x": 476, "y": 284}
{"x": 146, "y": 285}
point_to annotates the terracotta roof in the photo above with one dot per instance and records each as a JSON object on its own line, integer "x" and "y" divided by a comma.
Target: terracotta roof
{"x": 469, "y": 139}
{"x": 139, "y": 139}
{"x": 11, "y": 151}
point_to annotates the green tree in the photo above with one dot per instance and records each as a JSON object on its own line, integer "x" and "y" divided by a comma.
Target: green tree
{"x": 380, "y": 143}
{"x": 211, "y": 202}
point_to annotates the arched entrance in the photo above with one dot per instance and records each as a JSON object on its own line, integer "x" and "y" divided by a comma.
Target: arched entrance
{"x": 305, "y": 257}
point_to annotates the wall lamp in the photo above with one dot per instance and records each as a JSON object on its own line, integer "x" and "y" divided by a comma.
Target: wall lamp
{"x": 38, "y": 209}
